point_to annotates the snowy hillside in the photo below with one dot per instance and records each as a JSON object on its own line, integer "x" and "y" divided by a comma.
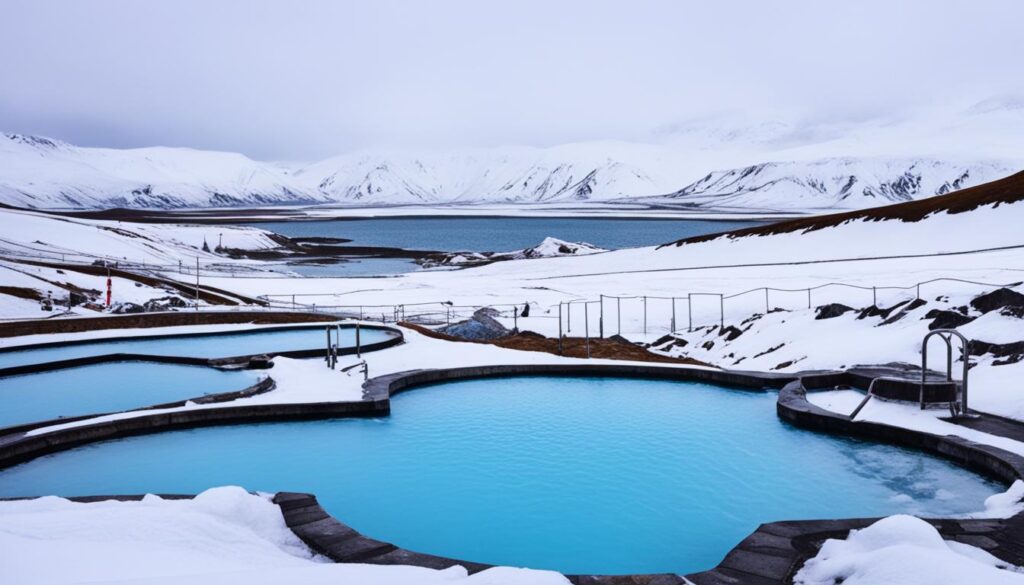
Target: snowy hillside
{"x": 727, "y": 162}
{"x": 43, "y": 173}
{"x": 841, "y": 183}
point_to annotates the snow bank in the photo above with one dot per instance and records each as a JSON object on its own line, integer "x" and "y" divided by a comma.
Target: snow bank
{"x": 224, "y": 536}
{"x": 904, "y": 550}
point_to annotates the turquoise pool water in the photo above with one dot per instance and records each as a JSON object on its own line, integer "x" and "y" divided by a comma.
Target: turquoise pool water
{"x": 580, "y": 475}
{"x": 202, "y": 346}
{"x": 108, "y": 388}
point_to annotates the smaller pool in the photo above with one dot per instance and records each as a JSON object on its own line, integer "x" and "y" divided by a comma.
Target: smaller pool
{"x": 110, "y": 387}
{"x": 214, "y": 345}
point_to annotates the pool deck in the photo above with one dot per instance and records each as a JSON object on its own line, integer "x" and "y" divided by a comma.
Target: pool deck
{"x": 769, "y": 556}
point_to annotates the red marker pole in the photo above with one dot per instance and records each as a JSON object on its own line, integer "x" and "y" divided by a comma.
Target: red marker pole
{"x": 110, "y": 285}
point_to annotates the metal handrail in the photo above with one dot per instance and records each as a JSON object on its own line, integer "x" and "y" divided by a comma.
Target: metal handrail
{"x": 946, "y": 335}
{"x": 365, "y": 369}
{"x": 871, "y": 393}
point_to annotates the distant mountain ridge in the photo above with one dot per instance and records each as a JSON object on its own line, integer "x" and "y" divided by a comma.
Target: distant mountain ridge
{"x": 710, "y": 164}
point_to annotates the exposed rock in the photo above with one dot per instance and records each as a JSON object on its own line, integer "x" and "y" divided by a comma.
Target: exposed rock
{"x": 876, "y": 311}
{"x": 914, "y": 304}
{"x": 482, "y": 326}
{"x": 946, "y": 319}
{"x": 730, "y": 333}
{"x": 997, "y": 299}
{"x": 164, "y": 304}
{"x": 126, "y": 308}
{"x": 831, "y": 311}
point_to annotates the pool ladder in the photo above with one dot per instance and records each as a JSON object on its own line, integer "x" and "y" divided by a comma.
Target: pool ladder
{"x": 334, "y": 344}
{"x": 956, "y": 408}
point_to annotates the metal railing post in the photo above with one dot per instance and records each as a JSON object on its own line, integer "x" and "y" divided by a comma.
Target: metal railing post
{"x": 766, "y": 309}
{"x": 689, "y": 312}
{"x": 673, "y": 315}
{"x": 721, "y": 311}
{"x": 645, "y": 315}
{"x": 586, "y": 326}
{"x": 808, "y": 298}
{"x": 359, "y": 344}
{"x": 600, "y": 319}
{"x": 568, "y": 317}
{"x": 559, "y": 327}
{"x": 618, "y": 314}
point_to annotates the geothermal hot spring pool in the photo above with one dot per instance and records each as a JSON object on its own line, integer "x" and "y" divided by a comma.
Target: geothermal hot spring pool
{"x": 580, "y": 475}
{"x": 212, "y": 345}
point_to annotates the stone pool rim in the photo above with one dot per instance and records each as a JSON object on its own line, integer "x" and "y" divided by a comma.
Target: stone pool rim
{"x": 772, "y": 554}
{"x": 395, "y": 337}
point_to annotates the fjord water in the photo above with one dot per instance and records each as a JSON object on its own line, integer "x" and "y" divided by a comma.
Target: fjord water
{"x": 502, "y": 234}
{"x": 201, "y": 346}
{"x": 109, "y": 388}
{"x": 579, "y": 475}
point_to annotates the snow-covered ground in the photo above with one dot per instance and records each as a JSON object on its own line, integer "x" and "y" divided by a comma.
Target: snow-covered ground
{"x": 224, "y": 536}
{"x": 904, "y": 550}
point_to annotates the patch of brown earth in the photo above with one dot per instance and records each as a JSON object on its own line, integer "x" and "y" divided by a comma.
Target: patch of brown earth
{"x": 609, "y": 348}
{"x": 1006, "y": 190}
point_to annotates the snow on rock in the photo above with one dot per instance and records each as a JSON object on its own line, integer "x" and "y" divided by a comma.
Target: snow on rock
{"x": 224, "y": 536}
{"x": 548, "y": 248}
{"x": 905, "y": 550}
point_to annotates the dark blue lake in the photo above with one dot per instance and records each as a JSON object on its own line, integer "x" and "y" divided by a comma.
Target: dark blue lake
{"x": 502, "y": 234}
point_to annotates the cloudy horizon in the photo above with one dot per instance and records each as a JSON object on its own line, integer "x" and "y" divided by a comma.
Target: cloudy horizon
{"x": 287, "y": 82}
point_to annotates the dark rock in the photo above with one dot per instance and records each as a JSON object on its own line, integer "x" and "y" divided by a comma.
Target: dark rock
{"x": 876, "y": 311}
{"x": 260, "y": 362}
{"x": 997, "y": 299}
{"x": 164, "y": 304}
{"x": 946, "y": 319}
{"x": 126, "y": 308}
{"x": 1014, "y": 311}
{"x": 831, "y": 311}
{"x": 914, "y": 304}
{"x": 708, "y": 344}
{"x": 482, "y": 326}
{"x": 730, "y": 333}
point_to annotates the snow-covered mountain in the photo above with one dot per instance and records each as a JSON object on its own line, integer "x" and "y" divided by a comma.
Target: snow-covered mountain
{"x": 724, "y": 162}
{"x": 43, "y": 173}
{"x": 839, "y": 183}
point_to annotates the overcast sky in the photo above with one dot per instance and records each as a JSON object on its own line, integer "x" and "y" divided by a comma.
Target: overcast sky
{"x": 306, "y": 79}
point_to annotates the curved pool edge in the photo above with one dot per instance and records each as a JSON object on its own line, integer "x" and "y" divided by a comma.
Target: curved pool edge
{"x": 395, "y": 337}
{"x": 260, "y": 387}
{"x": 792, "y": 406}
{"x": 770, "y": 555}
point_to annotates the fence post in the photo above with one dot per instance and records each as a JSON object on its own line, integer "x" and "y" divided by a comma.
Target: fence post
{"x": 515, "y": 319}
{"x": 359, "y": 345}
{"x": 600, "y": 319}
{"x": 618, "y": 313}
{"x": 673, "y": 315}
{"x": 293, "y": 302}
{"x": 919, "y": 291}
{"x": 808, "y": 298}
{"x": 689, "y": 312}
{"x": 586, "y": 326}
{"x": 874, "y": 297}
{"x": 766, "y": 309}
{"x": 559, "y": 327}
{"x": 645, "y": 315}
{"x": 568, "y": 317}
{"x": 197, "y": 283}
{"x": 721, "y": 311}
